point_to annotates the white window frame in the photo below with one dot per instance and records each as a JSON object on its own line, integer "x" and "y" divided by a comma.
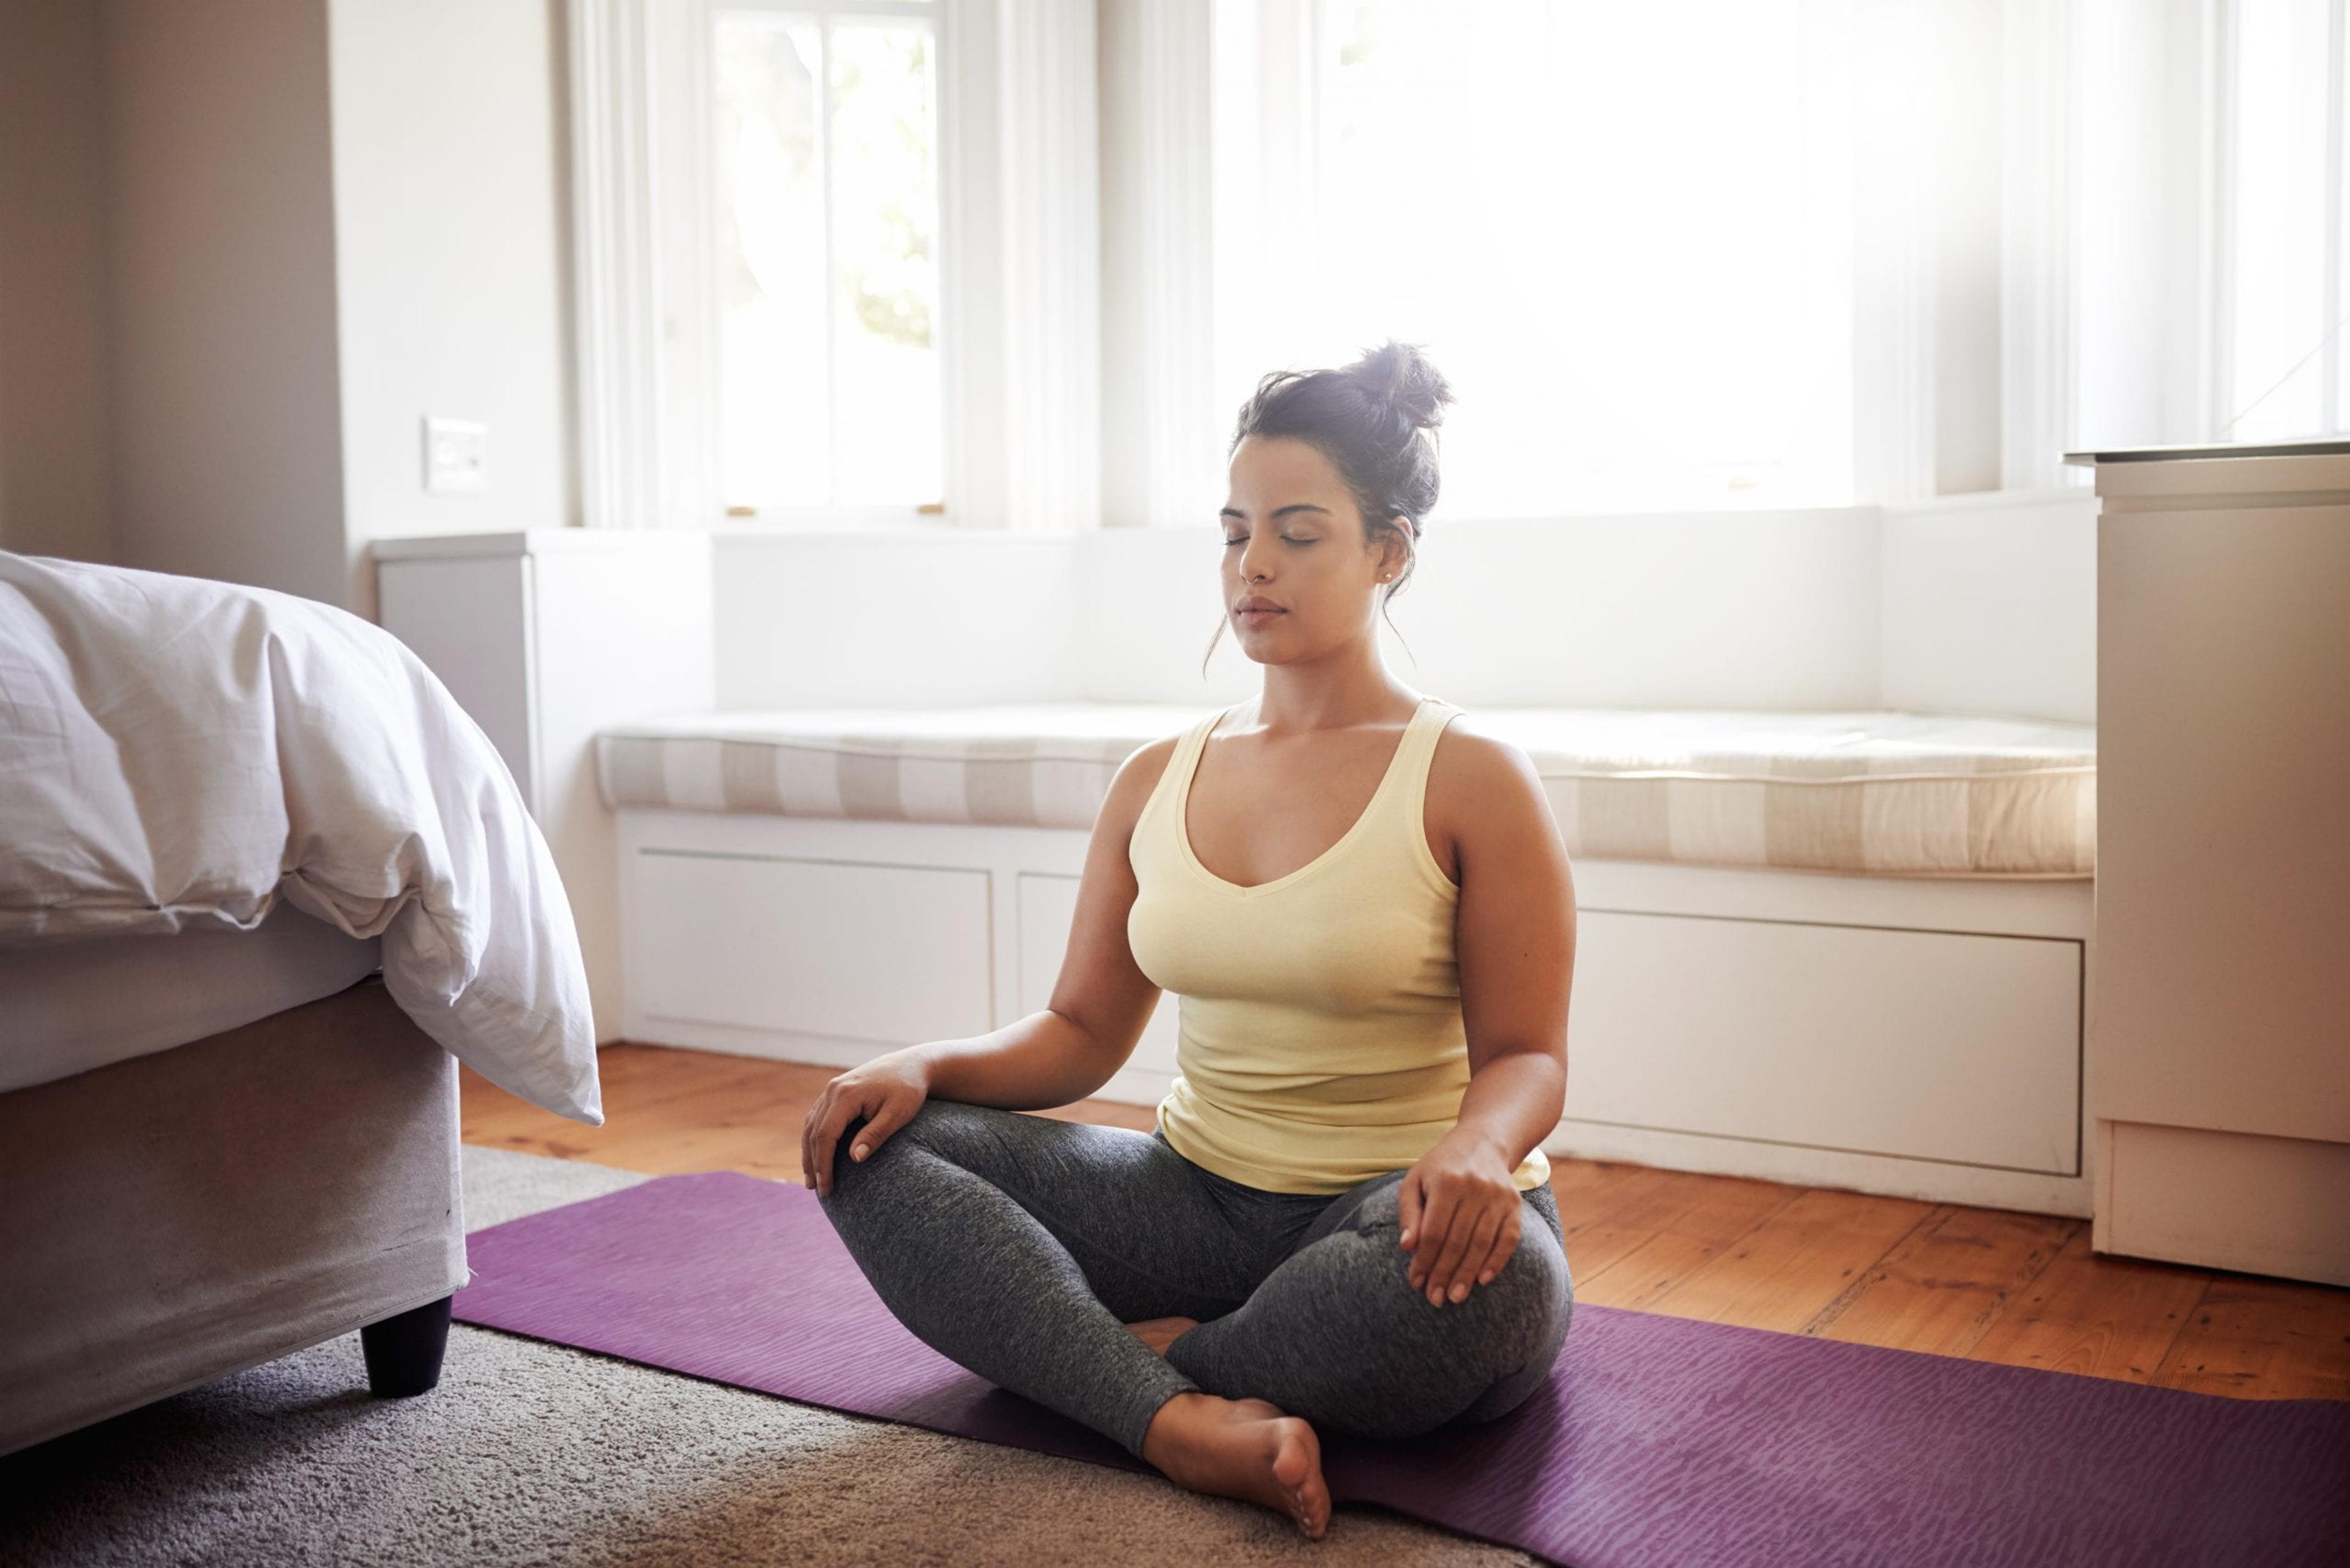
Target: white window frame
{"x": 1018, "y": 249}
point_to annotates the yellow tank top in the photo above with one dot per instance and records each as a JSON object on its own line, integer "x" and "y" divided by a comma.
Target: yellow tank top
{"x": 1320, "y": 1040}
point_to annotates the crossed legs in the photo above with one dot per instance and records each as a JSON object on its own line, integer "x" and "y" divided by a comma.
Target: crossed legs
{"x": 1338, "y": 1334}
{"x": 1021, "y": 1246}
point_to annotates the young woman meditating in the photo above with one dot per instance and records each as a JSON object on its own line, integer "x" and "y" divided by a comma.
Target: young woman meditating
{"x": 1342, "y": 1219}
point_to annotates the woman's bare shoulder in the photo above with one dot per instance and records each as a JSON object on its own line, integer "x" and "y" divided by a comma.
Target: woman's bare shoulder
{"x": 1479, "y": 759}
{"x": 1130, "y": 786}
{"x": 1477, "y": 781}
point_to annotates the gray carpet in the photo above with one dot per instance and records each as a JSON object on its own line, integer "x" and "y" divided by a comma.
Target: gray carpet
{"x": 531, "y": 1453}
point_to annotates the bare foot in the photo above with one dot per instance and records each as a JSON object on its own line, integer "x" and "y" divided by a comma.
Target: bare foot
{"x": 1241, "y": 1448}
{"x": 1159, "y": 1333}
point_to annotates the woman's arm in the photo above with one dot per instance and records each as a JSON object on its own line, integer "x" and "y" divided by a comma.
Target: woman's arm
{"x": 1514, "y": 939}
{"x": 1064, "y": 1053}
{"x": 1513, "y": 1101}
{"x": 1032, "y": 1064}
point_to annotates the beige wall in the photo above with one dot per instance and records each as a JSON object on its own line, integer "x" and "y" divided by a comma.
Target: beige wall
{"x": 54, "y": 478}
{"x": 245, "y": 247}
{"x": 219, "y": 201}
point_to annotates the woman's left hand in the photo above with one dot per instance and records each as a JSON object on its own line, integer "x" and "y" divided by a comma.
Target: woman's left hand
{"x": 1461, "y": 1212}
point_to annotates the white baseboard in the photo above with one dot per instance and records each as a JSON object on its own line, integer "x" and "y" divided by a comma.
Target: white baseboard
{"x": 1799, "y": 1165}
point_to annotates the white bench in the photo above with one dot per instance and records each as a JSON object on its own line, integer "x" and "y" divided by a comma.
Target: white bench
{"x": 1835, "y": 948}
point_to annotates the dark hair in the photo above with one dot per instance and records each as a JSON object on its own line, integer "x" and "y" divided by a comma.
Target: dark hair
{"x": 1376, "y": 421}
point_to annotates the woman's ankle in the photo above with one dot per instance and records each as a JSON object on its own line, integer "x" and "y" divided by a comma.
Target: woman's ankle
{"x": 1177, "y": 1419}
{"x": 1246, "y": 1449}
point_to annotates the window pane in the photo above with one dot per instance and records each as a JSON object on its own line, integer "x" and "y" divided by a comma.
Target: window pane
{"x": 2278, "y": 239}
{"x": 885, "y": 235}
{"x": 829, "y": 300}
{"x": 1622, "y": 232}
{"x": 771, "y": 260}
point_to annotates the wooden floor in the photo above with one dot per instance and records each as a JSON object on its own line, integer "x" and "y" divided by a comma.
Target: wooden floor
{"x": 1986, "y": 1284}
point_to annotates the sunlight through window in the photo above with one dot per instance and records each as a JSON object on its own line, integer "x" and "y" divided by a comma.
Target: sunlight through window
{"x": 1624, "y": 232}
{"x": 826, "y": 200}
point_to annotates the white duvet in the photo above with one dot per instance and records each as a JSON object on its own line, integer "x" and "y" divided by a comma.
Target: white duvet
{"x": 175, "y": 750}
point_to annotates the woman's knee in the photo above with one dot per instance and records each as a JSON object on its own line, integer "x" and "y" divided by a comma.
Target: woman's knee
{"x": 1511, "y": 1389}
{"x": 952, "y": 1131}
{"x": 1514, "y": 1317}
{"x": 1530, "y": 1280}
{"x": 942, "y": 1126}
{"x": 922, "y": 1131}
{"x": 1529, "y": 1323}
{"x": 1535, "y": 1273}
{"x": 1510, "y": 1321}
{"x": 1503, "y": 1337}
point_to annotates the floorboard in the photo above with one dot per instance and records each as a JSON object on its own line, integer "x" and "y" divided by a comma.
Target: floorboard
{"x": 1988, "y": 1283}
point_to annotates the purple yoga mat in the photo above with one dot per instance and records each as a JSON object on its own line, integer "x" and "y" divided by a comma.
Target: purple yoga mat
{"x": 1659, "y": 1440}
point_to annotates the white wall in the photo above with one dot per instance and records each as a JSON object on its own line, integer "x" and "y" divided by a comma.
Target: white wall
{"x": 1979, "y": 604}
{"x": 54, "y": 482}
{"x": 1990, "y": 606}
{"x": 226, "y": 396}
{"x": 1753, "y": 609}
{"x": 1744, "y": 609}
{"x": 890, "y": 618}
{"x": 449, "y": 263}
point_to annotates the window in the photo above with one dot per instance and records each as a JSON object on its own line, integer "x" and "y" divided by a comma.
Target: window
{"x": 837, "y": 265}
{"x": 1798, "y": 251}
{"x": 840, "y": 265}
{"x": 2279, "y": 370}
{"x": 1624, "y": 232}
{"x": 826, "y": 200}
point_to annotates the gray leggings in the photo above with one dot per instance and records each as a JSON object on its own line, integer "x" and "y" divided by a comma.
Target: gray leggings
{"x": 1020, "y": 1246}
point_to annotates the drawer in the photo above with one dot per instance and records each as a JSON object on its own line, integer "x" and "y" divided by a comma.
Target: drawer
{"x": 1927, "y": 1045}
{"x": 896, "y": 954}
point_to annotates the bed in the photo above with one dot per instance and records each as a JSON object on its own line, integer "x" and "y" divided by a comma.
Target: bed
{"x": 262, "y": 886}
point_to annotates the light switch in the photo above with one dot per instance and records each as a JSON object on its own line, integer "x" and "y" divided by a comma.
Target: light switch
{"x": 456, "y": 456}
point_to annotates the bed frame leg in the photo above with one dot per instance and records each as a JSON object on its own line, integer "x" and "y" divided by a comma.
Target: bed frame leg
{"x": 403, "y": 1351}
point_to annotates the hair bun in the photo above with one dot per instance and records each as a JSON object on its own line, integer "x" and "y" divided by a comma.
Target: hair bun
{"x": 1399, "y": 375}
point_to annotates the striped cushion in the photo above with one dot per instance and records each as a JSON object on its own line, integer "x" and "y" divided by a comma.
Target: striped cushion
{"x": 1881, "y": 792}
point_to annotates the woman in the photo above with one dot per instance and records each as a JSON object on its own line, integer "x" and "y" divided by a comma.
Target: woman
{"x": 1343, "y": 1217}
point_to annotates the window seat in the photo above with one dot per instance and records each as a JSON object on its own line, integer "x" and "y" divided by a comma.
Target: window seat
{"x": 1832, "y": 949}
{"x": 1866, "y": 793}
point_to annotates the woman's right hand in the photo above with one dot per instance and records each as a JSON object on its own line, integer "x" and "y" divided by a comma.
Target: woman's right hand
{"x": 886, "y": 1091}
